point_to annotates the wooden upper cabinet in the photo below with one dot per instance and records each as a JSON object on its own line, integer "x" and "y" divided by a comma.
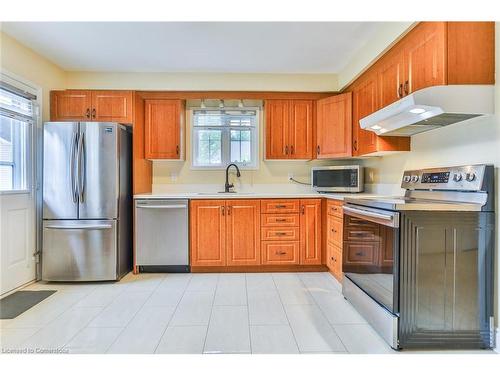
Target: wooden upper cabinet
{"x": 243, "y": 232}
{"x": 207, "y": 233}
{"x": 471, "y": 53}
{"x": 364, "y": 97}
{"x": 425, "y": 55}
{"x": 310, "y": 231}
{"x": 300, "y": 134}
{"x": 289, "y": 129}
{"x": 277, "y": 127}
{"x": 88, "y": 105}
{"x": 112, "y": 106}
{"x": 70, "y": 105}
{"x": 390, "y": 76}
{"x": 334, "y": 127}
{"x": 163, "y": 129}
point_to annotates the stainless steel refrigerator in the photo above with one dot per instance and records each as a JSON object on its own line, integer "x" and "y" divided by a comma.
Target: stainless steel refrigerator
{"x": 87, "y": 201}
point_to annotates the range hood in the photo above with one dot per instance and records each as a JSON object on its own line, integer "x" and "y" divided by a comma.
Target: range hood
{"x": 431, "y": 108}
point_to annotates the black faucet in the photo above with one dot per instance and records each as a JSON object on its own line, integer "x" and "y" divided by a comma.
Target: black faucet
{"x": 228, "y": 186}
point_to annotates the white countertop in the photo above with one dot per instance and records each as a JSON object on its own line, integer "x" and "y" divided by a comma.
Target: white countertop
{"x": 250, "y": 195}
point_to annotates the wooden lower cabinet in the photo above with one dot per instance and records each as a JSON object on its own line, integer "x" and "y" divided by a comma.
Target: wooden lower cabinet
{"x": 207, "y": 232}
{"x": 243, "y": 232}
{"x": 310, "y": 231}
{"x": 334, "y": 238}
{"x": 253, "y": 232}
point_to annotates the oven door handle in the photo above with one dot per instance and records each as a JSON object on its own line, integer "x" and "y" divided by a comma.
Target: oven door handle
{"x": 390, "y": 220}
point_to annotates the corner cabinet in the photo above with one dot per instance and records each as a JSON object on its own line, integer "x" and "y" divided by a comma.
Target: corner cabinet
{"x": 164, "y": 129}
{"x": 334, "y": 127}
{"x": 92, "y": 105}
{"x": 289, "y": 129}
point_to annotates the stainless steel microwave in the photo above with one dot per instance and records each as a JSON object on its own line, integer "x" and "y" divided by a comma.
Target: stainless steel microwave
{"x": 338, "y": 178}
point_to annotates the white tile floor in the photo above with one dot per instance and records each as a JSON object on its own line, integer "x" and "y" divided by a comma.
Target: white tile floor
{"x": 195, "y": 313}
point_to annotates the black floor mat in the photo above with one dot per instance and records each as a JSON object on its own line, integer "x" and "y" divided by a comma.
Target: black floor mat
{"x": 18, "y": 302}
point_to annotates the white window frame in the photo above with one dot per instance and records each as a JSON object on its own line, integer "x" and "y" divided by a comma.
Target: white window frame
{"x": 226, "y": 136}
{"x": 33, "y": 133}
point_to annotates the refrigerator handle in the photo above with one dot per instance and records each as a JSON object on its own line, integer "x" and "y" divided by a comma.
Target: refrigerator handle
{"x": 81, "y": 166}
{"x": 72, "y": 166}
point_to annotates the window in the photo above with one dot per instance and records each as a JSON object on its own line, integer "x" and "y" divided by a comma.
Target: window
{"x": 16, "y": 119}
{"x": 224, "y": 136}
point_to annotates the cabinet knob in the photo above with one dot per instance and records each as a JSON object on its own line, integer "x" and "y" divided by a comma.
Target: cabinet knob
{"x": 223, "y": 210}
{"x": 93, "y": 113}
{"x": 177, "y": 149}
{"x": 292, "y": 150}
{"x": 407, "y": 87}
{"x": 318, "y": 149}
{"x": 286, "y": 150}
{"x": 355, "y": 145}
{"x": 400, "y": 91}
{"x": 87, "y": 113}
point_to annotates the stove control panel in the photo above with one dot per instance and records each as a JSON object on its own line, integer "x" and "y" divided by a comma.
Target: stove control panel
{"x": 460, "y": 178}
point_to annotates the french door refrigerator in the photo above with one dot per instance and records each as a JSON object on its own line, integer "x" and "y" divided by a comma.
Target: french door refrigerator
{"x": 87, "y": 201}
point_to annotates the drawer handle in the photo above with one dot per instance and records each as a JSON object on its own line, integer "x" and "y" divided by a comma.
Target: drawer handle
{"x": 362, "y": 234}
{"x": 281, "y": 220}
{"x": 280, "y": 206}
{"x": 360, "y": 253}
{"x": 280, "y": 252}
{"x": 280, "y": 233}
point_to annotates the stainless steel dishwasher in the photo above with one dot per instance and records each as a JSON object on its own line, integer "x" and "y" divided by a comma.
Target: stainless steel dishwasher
{"x": 161, "y": 235}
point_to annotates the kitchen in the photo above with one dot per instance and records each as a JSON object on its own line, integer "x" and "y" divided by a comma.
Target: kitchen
{"x": 250, "y": 212}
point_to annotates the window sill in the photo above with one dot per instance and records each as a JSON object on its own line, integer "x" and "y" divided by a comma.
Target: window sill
{"x": 14, "y": 192}
{"x": 196, "y": 168}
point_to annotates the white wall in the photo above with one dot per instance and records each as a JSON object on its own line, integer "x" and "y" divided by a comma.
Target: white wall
{"x": 475, "y": 141}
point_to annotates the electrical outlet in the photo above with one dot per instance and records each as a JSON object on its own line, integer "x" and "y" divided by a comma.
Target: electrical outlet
{"x": 290, "y": 175}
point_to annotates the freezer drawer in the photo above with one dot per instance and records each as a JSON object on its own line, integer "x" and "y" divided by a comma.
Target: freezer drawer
{"x": 161, "y": 237}
{"x": 79, "y": 250}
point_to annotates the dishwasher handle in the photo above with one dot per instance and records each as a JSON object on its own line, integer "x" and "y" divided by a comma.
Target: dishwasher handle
{"x": 162, "y": 206}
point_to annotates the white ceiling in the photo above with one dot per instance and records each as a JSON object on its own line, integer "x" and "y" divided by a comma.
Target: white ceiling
{"x": 254, "y": 47}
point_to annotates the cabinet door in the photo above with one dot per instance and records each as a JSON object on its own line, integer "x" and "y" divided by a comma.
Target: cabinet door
{"x": 310, "y": 231}
{"x": 425, "y": 53}
{"x": 112, "y": 106}
{"x": 243, "y": 232}
{"x": 334, "y": 126}
{"x": 300, "y": 135}
{"x": 277, "y": 128}
{"x": 70, "y": 105}
{"x": 208, "y": 233}
{"x": 162, "y": 120}
{"x": 391, "y": 78}
{"x": 364, "y": 104}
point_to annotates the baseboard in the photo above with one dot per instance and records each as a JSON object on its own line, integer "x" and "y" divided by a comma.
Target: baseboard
{"x": 273, "y": 268}
{"x": 497, "y": 340}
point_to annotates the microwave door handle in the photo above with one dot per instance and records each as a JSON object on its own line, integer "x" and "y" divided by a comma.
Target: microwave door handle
{"x": 388, "y": 220}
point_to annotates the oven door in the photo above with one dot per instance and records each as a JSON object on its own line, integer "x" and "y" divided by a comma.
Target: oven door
{"x": 371, "y": 253}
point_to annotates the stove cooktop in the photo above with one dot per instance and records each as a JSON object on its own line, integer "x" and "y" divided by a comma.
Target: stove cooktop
{"x": 413, "y": 204}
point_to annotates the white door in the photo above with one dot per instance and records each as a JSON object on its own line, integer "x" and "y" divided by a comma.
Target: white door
{"x": 17, "y": 240}
{"x": 17, "y": 195}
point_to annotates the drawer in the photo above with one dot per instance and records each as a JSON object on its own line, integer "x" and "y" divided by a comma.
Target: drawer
{"x": 334, "y": 208}
{"x": 280, "y": 233}
{"x": 277, "y": 220}
{"x": 283, "y": 252}
{"x": 360, "y": 253}
{"x": 361, "y": 234}
{"x": 334, "y": 230}
{"x": 278, "y": 206}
